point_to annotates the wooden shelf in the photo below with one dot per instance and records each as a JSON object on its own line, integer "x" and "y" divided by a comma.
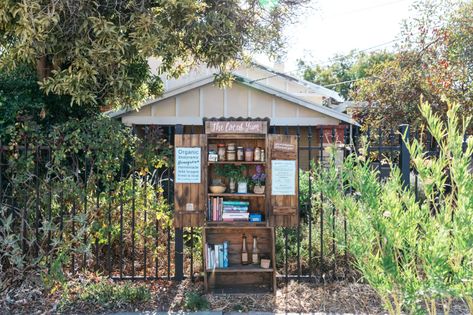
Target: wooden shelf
{"x": 236, "y": 162}
{"x": 240, "y": 290}
{"x": 236, "y": 224}
{"x": 236, "y": 195}
{"x": 241, "y": 268}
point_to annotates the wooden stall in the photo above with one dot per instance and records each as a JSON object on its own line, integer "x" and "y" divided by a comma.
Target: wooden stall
{"x": 230, "y": 214}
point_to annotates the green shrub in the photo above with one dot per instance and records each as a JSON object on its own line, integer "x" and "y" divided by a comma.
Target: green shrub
{"x": 411, "y": 252}
{"x": 195, "y": 302}
{"x": 108, "y": 295}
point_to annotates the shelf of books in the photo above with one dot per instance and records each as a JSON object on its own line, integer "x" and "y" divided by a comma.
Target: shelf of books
{"x": 239, "y": 258}
{"x": 220, "y": 209}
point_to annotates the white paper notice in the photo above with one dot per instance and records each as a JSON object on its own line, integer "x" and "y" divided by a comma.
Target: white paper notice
{"x": 188, "y": 166}
{"x": 283, "y": 177}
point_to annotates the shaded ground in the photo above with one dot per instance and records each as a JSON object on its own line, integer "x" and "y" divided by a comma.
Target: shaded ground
{"x": 339, "y": 297}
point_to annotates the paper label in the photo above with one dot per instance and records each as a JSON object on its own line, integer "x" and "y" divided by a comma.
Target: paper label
{"x": 283, "y": 177}
{"x": 188, "y": 165}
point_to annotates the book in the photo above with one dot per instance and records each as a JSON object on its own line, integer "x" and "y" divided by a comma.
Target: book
{"x": 226, "y": 208}
{"x": 225, "y": 254}
{"x": 235, "y": 215}
{"x": 236, "y": 203}
{"x": 220, "y": 256}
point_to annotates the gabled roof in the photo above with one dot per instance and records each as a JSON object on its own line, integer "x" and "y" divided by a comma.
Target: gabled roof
{"x": 250, "y": 83}
{"x": 312, "y": 86}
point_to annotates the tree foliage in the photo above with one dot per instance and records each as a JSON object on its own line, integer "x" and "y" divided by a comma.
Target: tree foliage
{"x": 343, "y": 71}
{"x": 434, "y": 61}
{"x": 97, "y": 52}
{"x": 21, "y": 100}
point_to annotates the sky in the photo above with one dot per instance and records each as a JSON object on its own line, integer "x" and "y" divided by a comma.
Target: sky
{"x": 338, "y": 26}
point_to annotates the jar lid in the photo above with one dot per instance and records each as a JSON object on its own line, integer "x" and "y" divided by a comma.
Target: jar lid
{"x": 239, "y": 147}
{"x": 249, "y": 149}
{"x": 221, "y": 145}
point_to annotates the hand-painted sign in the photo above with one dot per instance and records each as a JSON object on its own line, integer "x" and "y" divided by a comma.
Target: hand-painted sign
{"x": 284, "y": 147}
{"x": 283, "y": 177}
{"x": 252, "y": 127}
{"x": 188, "y": 167}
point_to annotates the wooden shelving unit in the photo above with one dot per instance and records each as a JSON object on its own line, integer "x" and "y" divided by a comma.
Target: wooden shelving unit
{"x": 237, "y": 277}
{"x": 192, "y": 200}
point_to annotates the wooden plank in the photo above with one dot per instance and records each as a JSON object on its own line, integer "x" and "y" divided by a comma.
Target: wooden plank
{"x": 191, "y": 195}
{"x": 249, "y": 195}
{"x": 236, "y": 127}
{"x": 248, "y": 268}
{"x": 282, "y": 208}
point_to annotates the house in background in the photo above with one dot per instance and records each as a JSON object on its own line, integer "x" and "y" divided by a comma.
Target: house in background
{"x": 291, "y": 105}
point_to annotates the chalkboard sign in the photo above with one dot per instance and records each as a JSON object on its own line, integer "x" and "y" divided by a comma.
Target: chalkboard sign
{"x": 188, "y": 166}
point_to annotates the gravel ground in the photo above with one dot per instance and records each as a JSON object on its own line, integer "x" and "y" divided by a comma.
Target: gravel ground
{"x": 338, "y": 297}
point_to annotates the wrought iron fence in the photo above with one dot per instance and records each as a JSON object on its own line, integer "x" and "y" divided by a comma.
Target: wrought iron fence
{"x": 121, "y": 227}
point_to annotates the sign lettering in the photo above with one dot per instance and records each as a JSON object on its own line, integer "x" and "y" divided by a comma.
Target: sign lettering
{"x": 254, "y": 127}
{"x": 285, "y": 147}
{"x": 188, "y": 168}
{"x": 283, "y": 177}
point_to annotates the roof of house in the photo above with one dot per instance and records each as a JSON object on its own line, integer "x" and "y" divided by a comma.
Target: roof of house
{"x": 259, "y": 83}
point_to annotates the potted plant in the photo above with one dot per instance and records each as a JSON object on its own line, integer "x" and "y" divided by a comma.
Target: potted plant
{"x": 234, "y": 173}
{"x": 242, "y": 182}
{"x": 258, "y": 179}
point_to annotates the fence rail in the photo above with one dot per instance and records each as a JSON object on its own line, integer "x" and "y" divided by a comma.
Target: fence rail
{"x": 120, "y": 225}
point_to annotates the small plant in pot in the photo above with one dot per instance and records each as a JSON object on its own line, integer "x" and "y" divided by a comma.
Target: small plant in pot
{"x": 258, "y": 179}
{"x": 234, "y": 174}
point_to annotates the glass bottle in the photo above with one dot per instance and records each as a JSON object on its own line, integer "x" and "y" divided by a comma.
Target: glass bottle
{"x": 240, "y": 154}
{"x": 255, "y": 254}
{"x": 244, "y": 252}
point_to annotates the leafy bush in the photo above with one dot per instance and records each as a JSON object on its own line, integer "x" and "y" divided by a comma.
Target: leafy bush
{"x": 195, "y": 302}
{"x": 411, "y": 251}
{"x": 61, "y": 205}
{"x": 108, "y": 295}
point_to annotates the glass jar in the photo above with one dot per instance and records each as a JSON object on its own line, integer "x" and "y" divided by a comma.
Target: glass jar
{"x": 221, "y": 152}
{"x": 213, "y": 156}
{"x": 231, "y": 155}
{"x": 257, "y": 156}
{"x": 249, "y": 154}
{"x": 240, "y": 154}
{"x": 262, "y": 156}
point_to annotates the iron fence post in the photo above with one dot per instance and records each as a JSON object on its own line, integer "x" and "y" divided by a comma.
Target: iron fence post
{"x": 179, "y": 239}
{"x": 404, "y": 155}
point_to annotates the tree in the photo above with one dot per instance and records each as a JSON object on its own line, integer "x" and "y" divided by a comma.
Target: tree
{"x": 21, "y": 100}
{"x": 97, "y": 52}
{"x": 343, "y": 70}
{"x": 435, "y": 61}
